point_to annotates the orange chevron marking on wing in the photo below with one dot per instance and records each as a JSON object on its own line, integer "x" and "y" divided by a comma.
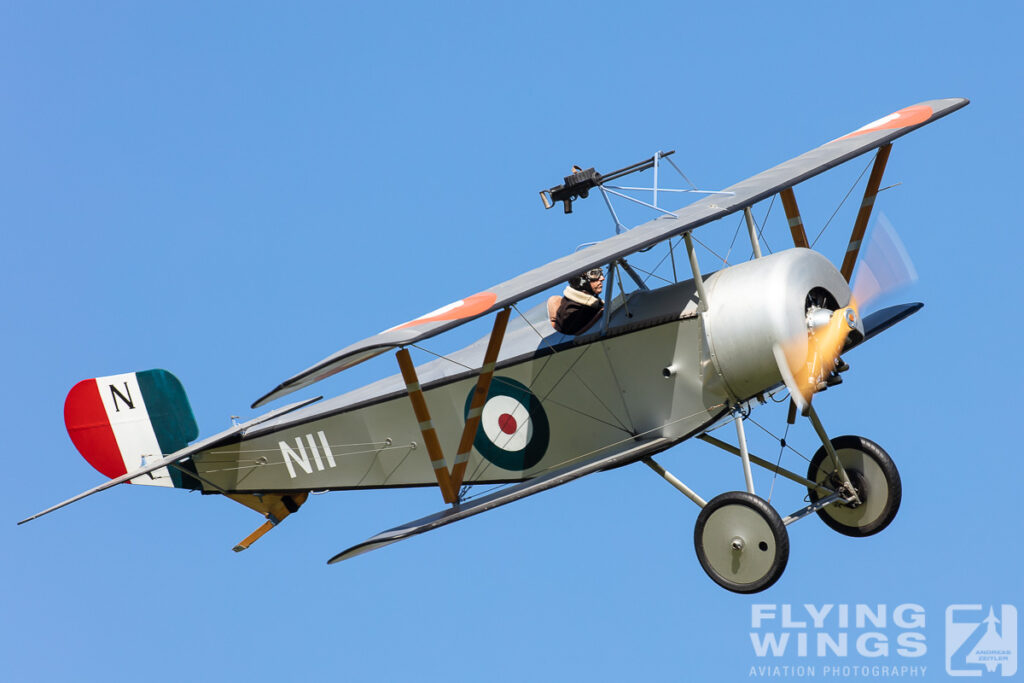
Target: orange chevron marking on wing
{"x": 910, "y": 116}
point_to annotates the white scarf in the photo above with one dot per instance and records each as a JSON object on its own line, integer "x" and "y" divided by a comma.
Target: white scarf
{"x": 582, "y": 298}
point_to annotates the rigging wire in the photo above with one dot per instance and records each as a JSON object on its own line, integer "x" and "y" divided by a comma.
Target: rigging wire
{"x": 450, "y": 360}
{"x": 399, "y": 464}
{"x": 282, "y": 462}
{"x": 734, "y": 236}
{"x": 619, "y": 426}
{"x": 275, "y": 450}
{"x": 670, "y": 245}
{"x": 651, "y": 274}
{"x": 780, "y": 440}
{"x": 713, "y": 252}
{"x": 587, "y": 386}
{"x": 764, "y": 224}
{"x": 547, "y": 340}
{"x": 849, "y": 192}
{"x": 618, "y": 386}
{"x": 482, "y": 464}
{"x": 778, "y": 462}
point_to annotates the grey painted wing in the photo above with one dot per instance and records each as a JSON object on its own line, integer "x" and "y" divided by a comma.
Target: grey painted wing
{"x": 744, "y": 194}
{"x": 881, "y": 320}
{"x": 503, "y": 497}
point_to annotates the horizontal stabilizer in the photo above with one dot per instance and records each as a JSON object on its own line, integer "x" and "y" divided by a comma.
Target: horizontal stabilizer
{"x": 504, "y": 496}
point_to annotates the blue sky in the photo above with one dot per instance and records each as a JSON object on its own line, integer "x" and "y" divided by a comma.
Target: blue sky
{"x": 234, "y": 192}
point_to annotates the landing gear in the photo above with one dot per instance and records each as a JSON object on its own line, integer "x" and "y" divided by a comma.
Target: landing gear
{"x": 876, "y": 489}
{"x": 741, "y": 542}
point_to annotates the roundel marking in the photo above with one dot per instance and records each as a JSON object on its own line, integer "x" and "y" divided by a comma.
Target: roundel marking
{"x": 457, "y": 310}
{"x": 908, "y": 116}
{"x": 514, "y": 430}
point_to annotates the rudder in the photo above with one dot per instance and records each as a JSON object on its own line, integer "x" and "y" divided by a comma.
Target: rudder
{"x": 119, "y": 422}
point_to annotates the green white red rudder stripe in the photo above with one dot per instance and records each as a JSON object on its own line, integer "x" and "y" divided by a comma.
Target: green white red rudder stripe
{"x": 121, "y": 422}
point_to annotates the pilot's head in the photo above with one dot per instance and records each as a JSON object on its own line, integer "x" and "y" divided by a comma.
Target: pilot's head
{"x": 590, "y": 282}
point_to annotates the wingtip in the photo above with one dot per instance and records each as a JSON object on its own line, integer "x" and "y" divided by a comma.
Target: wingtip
{"x": 345, "y": 554}
{"x": 266, "y": 398}
{"x": 342, "y": 556}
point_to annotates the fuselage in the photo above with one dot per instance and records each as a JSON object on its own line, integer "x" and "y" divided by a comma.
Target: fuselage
{"x": 661, "y": 368}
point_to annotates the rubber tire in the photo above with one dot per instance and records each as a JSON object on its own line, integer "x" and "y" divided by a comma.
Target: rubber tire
{"x": 852, "y": 445}
{"x": 776, "y": 528}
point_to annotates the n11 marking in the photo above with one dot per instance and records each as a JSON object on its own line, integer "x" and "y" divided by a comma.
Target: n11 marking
{"x": 301, "y": 458}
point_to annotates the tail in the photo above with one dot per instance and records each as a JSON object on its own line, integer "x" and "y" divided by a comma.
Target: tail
{"x": 120, "y": 422}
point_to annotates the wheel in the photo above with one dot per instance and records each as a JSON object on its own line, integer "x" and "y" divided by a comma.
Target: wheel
{"x": 874, "y": 477}
{"x": 741, "y": 542}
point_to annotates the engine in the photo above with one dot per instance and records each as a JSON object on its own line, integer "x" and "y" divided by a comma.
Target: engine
{"x": 775, "y": 300}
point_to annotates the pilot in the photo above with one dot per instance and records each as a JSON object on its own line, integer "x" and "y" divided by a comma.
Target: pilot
{"x": 580, "y": 305}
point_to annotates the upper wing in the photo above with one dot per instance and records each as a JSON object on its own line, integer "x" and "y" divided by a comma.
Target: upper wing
{"x": 744, "y": 194}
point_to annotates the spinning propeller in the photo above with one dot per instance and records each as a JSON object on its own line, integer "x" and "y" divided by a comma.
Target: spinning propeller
{"x": 885, "y": 266}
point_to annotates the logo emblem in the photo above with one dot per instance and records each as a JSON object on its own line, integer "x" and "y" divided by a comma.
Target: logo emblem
{"x": 514, "y": 431}
{"x": 981, "y": 639}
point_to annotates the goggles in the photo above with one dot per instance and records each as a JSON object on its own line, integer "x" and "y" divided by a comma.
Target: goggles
{"x": 595, "y": 274}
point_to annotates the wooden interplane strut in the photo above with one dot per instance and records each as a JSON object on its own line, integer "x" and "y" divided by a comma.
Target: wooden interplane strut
{"x": 476, "y": 405}
{"x": 861, "y": 224}
{"x": 430, "y": 440}
{"x": 450, "y": 482}
{"x": 796, "y": 224}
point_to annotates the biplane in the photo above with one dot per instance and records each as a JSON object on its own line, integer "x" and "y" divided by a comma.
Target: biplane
{"x": 531, "y": 408}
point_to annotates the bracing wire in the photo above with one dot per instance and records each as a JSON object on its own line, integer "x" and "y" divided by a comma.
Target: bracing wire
{"x": 781, "y": 440}
{"x": 734, "y": 236}
{"x": 848, "y": 193}
{"x": 438, "y": 355}
{"x": 778, "y": 462}
{"x": 764, "y": 223}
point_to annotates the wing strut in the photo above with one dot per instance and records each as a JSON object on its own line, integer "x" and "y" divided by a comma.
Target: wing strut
{"x": 476, "y": 406}
{"x": 450, "y": 482}
{"x": 419, "y": 407}
{"x": 698, "y": 280}
{"x": 861, "y": 224}
{"x": 796, "y": 224}
{"x": 752, "y": 230}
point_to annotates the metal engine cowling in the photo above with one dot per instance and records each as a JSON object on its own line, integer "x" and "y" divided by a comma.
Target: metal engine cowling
{"x": 755, "y": 305}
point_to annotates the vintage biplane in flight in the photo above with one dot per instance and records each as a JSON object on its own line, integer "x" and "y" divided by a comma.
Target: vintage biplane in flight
{"x": 534, "y": 408}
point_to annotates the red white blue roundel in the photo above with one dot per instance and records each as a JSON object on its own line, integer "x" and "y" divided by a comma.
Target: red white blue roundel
{"x": 514, "y": 431}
